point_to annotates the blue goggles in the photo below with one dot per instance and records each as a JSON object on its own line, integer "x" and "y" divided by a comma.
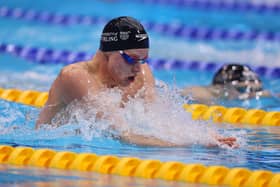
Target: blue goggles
{"x": 245, "y": 89}
{"x": 130, "y": 60}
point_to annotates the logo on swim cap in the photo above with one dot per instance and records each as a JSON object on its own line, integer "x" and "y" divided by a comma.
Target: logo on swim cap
{"x": 109, "y": 37}
{"x": 123, "y": 33}
{"x": 141, "y": 37}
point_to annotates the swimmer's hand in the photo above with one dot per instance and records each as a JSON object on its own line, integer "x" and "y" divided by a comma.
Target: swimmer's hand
{"x": 228, "y": 141}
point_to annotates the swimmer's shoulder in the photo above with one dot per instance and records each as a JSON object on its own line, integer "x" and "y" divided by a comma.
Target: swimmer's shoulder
{"x": 74, "y": 68}
{"x": 73, "y": 73}
{"x": 75, "y": 81}
{"x": 76, "y": 72}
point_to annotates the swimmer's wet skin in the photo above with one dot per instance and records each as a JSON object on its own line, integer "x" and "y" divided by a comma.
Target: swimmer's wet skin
{"x": 118, "y": 64}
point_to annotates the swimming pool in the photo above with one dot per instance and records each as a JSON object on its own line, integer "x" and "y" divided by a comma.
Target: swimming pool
{"x": 259, "y": 146}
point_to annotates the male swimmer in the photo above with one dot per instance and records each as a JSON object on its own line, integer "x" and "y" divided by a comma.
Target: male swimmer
{"x": 231, "y": 81}
{"x": 119, "y": 63}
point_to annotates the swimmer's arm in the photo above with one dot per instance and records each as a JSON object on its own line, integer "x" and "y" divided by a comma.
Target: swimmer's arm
{"x": 52, "y": 106}
{"x": 266, "y": 93}
{"x": 153, "y": 141}
{"x": 68, "y": 86}
{"x": 145, "y": 140}
{"x": 46, "y": 114}
{"x": 133, "y": 138}
{"x": 199, "y": 93}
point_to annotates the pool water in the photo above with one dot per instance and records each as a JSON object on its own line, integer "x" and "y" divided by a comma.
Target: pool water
{"x": 259, "y": 146}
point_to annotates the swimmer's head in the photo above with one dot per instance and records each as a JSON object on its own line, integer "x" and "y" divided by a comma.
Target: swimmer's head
{"x": 123, "y": 33}
{"x": 241, "y": 77}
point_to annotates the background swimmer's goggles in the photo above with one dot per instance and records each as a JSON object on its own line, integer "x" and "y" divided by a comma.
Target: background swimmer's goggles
{"x": 130, "y": 60}
{"x": 247, "y": 88}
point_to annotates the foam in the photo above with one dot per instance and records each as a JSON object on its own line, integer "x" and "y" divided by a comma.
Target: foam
{"x": 164, "y": 119}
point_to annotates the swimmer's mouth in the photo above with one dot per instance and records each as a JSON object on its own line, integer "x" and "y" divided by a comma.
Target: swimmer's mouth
{"x": 131, "y": 78}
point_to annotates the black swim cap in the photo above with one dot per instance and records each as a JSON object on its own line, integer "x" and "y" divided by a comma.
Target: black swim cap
{"x": 234, "y": 72}
{"x": 123, "y": 33}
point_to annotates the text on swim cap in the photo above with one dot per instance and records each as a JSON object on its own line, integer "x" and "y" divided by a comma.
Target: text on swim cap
{"x": 109, "y": 37}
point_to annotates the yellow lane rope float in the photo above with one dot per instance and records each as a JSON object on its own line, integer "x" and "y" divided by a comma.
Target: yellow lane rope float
{"x": 218, "y": 114}
{"x": 129, "y": 166}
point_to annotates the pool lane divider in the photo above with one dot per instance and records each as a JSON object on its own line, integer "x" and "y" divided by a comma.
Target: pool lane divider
{"x": 170, "y": 29}
{"x": 220, "y": 5}
{"x": 135, "y": 167}
{"x": 65, "y": 57}
{"x": 218, "y": 114}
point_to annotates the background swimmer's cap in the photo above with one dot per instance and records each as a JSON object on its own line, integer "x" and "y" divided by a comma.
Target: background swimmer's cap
{"x": 234, "y": 72}
{"x": 123, "y": 33}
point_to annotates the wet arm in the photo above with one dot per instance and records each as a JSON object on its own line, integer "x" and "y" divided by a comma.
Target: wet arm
{"x": 52, "y": 106}
{"x": 67, "y": 87}
{"x": 199, "y": 93}
{"x": 145, "y": 140}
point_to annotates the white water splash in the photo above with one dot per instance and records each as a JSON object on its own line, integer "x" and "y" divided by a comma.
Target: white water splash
{"x": 164, "y": 119}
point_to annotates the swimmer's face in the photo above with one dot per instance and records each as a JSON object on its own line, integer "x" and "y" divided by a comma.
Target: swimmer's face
{"x": 247, "y": 86}
{"x": 245, "y": 89}
{"x": 121, "y": 66}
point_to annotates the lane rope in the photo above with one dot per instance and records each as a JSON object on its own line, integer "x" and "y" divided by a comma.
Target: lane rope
{"x": 135, "y": 167}
{"x": 65, "y": 57}
{"x": 174, "y": 29}
{"x": 232, "y": 5}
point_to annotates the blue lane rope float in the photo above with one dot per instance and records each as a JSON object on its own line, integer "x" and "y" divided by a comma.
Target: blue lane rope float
{"x": 232, "y": 5}
{"x": 44, "y": 55}
{"x": 51, "y": 56}
{"x": 175, "y": 30}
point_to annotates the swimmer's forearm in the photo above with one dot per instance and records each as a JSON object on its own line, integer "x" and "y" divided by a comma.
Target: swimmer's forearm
{"x": 46, "y": 115}
{"x": 145, "y": 141}
{"x": 41, "y": 120}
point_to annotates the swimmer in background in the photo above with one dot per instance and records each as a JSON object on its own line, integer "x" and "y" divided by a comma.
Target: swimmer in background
{"x": 119, "y": 63}
{"x": 231, "y": 81}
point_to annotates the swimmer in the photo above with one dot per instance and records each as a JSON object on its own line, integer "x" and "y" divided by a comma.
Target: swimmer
{"x": 119, "y": 63}
{"x": 231, "y": 81}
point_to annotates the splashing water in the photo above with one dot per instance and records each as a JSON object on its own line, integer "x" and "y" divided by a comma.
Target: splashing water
{"x": 164, "y": 118}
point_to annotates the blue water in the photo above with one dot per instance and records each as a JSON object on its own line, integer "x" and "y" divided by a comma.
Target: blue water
{"x": 27, "y": 176}
{"x": 86, "y": 38}
{"x": 24, "y": 75}
{"x": 259, "y": 147}
{"x": 163, "y": 14}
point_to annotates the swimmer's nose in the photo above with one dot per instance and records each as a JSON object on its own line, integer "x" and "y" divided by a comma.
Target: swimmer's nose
{"x": 136, "y": 67}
